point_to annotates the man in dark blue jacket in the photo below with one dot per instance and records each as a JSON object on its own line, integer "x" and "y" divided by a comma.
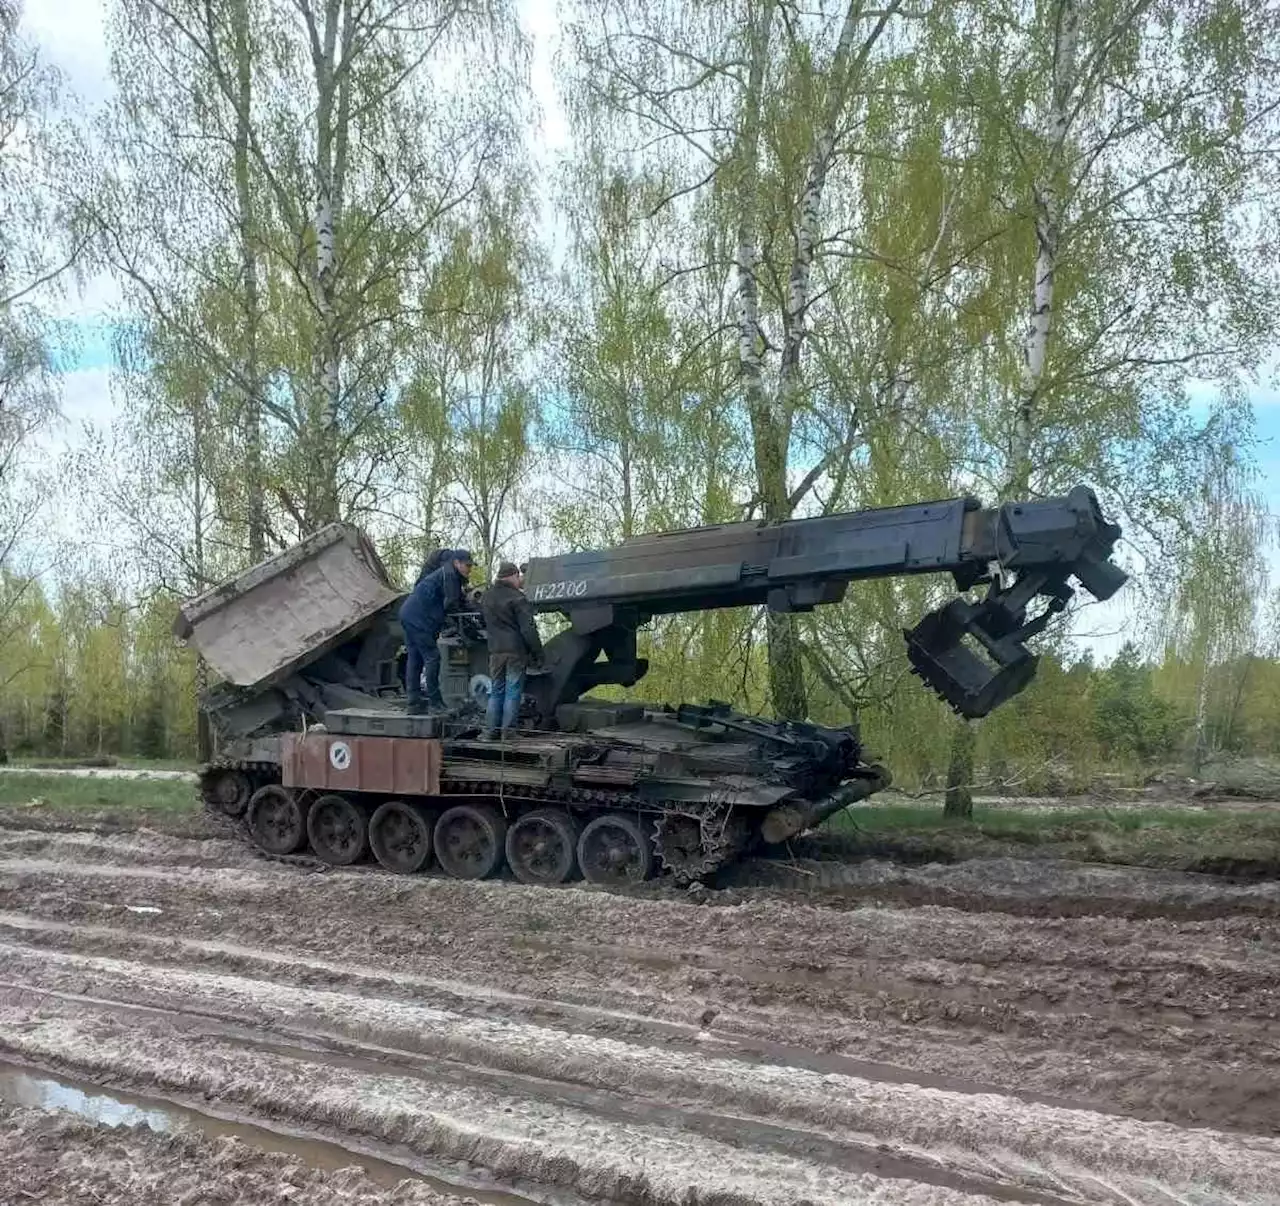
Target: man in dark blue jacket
{"x": 422, "y": 616}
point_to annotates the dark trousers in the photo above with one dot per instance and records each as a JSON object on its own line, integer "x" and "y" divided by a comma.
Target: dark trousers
{"x": 422, "y": 660}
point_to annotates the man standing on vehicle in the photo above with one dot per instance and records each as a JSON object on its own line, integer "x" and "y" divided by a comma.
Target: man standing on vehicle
{"x": 514, "y": 645}
{"x": 422, "y": 616}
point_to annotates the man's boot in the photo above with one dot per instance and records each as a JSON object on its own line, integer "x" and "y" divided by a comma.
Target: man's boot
{"x": 417, "y": 707}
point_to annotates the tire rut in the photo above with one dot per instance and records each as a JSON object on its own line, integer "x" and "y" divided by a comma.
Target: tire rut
{"x": 323, "y": 1051}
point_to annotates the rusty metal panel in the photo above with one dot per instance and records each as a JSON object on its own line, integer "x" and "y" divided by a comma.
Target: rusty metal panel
{"x": 407, "y": 766}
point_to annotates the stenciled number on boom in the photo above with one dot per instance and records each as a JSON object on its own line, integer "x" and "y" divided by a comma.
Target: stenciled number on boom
{"x": 560, "y": 590}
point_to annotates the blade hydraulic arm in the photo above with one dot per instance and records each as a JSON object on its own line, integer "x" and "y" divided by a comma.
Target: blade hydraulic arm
{"x": 972, "y": 653}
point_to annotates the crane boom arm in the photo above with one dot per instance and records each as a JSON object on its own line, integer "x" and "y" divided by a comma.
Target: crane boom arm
{"x": 972, "y": 653}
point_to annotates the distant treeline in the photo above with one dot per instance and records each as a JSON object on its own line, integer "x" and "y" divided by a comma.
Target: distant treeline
{"x": 83, "y": 674}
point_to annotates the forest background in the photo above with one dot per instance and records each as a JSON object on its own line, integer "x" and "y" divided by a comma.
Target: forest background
{"x": 525, "y": 276}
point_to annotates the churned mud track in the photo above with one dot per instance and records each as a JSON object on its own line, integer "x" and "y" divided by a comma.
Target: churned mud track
{"x": 1022, "y": 887}
{"x": 759, "y": 1048}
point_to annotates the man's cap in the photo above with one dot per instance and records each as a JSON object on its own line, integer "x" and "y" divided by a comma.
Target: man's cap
{"x": 507, "y": 569}
{"x": 463, "y": 555}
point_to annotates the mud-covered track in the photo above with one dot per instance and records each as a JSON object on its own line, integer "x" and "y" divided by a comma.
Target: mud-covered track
{"x": 638, "y": 1047}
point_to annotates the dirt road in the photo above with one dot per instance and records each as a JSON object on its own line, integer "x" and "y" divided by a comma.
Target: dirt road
{"x": 982, "y": 1032}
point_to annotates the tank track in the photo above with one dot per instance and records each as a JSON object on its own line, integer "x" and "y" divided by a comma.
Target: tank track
{"x": 694, "y": 842}
{"x": 237, "y": 828}
{"x": 691, "y": 841}
{"x": 721, "y": 833}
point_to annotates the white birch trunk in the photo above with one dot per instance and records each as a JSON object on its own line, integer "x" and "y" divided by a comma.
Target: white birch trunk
{"x": 255, "y": 517}
{"x": 323, "y": 504}
{"x": 846, "y": 65}
{"x": 747, "y": 255}
{"x": 786, "y": 674}
{"x": 1199, "y": 750}
{"x": 1048, "y": 211}
{"x": 325, "y": 271}
{"x": 771, "y": 425}
{"x": 204, "y": 730}
{"x": 808, "y": 220}
{"x": 327, "y": 371}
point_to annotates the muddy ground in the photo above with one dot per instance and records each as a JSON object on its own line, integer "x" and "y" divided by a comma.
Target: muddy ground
{"x": 827, "y": 1032}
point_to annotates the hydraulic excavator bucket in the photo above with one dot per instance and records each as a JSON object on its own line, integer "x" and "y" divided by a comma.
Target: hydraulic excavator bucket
{"x": 972, "y": 669}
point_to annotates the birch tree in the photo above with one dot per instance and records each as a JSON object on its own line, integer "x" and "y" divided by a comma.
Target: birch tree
{"x": 641, "y": 426}
{"x": 247, "y": 215}
{"x": 369, "y": 153}
{"x": 333, "y": 137}
{"x": 179, "y": 211}
{"x": 1129, "y": 189}
{"x": 482, "y": 330}
{"x": 750, "y": 111}
{"x": 40, "y": 243}
{"x": 1212, "y": 616}
{"x": 155, "y": 486}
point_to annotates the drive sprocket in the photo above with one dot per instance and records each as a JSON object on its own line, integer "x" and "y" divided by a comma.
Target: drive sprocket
{"x": 694, "y": 843}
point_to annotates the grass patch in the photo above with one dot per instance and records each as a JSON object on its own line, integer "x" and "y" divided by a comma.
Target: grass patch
{"x": 122, "y": 802}
{"x": 1224, "y": 841}
{"x": 1035, "y": 824}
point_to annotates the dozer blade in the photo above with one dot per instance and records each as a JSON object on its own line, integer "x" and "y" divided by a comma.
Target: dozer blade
{"x": 971, "y": 669}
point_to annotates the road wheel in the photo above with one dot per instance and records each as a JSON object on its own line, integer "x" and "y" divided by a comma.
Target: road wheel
{"x": 542, "y": 847}
{"x": 614, "y": 851}
{"x": 226, "y": 791}
{"x": 400, "y": 834}
{"x": 338, "y": 831}
{"x": 277, "y": 820}
{"x": 469, "y": 840}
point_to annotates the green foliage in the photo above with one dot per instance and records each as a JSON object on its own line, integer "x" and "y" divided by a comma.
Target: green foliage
{"x": 86, "y": 675}
{"x": 1136, "y": 835}
{"x": 470, "y": 364}
{"x": 1132, "y": 723}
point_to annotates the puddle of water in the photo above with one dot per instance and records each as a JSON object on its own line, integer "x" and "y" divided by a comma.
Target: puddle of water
{"x": 43, "y": 1093}
{"x": 26, "y": 1087}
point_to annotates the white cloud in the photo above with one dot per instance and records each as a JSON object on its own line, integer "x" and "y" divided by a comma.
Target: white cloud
{"x": 541, "y": 23}
{"x": 86, "y": 397}
{"x": 72, "y": 36}
{"x": 98, "y": 295}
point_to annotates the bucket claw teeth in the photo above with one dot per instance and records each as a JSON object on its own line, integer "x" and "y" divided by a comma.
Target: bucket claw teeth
{"x": 969, "y": 668}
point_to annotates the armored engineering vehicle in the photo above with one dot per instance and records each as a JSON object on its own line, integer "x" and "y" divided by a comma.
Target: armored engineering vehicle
{"x": 316, "y": 746}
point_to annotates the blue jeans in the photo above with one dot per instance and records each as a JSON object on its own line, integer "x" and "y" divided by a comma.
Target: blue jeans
{"x": 506, "y": 675}
{"x": 422, "y": 658}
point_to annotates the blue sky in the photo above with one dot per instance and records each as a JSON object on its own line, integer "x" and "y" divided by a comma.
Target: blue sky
{"x": 82, "y": 345}
{"x": 1267, "y": 416}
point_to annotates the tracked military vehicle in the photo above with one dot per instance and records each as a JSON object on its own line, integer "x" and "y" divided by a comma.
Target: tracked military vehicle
{"x": 316, "y": 746}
